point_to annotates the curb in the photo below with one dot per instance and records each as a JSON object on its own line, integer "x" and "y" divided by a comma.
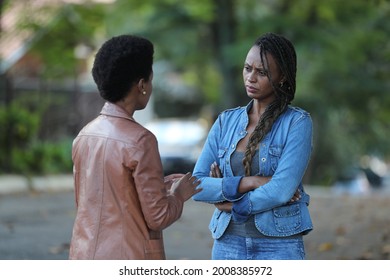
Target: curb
{"x": 12, "y": 184}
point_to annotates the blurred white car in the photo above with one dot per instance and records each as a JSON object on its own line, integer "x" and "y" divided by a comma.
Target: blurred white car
{"x": 180, "y": 142}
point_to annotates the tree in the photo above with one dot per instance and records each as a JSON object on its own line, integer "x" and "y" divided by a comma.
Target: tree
{"x": 345, "y": 88}
{"x": 343, "y": 60}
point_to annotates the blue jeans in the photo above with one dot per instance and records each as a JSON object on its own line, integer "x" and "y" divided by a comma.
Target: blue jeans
{"x": 235, "y": 247}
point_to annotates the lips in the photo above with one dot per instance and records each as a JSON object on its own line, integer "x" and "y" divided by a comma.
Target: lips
{"x": 251, "y": 89}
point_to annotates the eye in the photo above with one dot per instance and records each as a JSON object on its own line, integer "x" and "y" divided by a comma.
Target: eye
{"x": 262, "y": 72}
{"x": 247, "y": 68}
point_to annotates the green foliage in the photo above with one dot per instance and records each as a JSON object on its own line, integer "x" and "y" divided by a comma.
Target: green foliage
{"x": 181, "y": 34}
{"x": 43, "y": 158}
{"x": 345, "y": 87}
{"x": 56, "y": 42}
{"x": 20, "y": 149}
{"x": 343, "y": 61}
{"x": 17, "y": 123}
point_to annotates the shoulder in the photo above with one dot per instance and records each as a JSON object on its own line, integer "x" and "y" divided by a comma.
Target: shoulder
{"x": 230, "y": 113}
{"x": 297, "y": 111}
{"x": 233, "y": 111}
{"x": 127, "y": 131}
{"x": 296, "y": 114}
{"x": 140, "y": 134}
{"x": 147, "y": 134}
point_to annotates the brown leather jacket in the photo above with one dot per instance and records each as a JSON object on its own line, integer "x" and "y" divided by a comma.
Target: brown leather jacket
{"x": 121, "y": 199}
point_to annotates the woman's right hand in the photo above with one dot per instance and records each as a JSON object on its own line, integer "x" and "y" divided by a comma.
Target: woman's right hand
{"x": 224, "y": 206}
{"x": 215, "y": 172}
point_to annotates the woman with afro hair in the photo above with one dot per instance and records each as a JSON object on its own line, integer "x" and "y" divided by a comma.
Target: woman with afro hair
{"x": 122, "y": 198}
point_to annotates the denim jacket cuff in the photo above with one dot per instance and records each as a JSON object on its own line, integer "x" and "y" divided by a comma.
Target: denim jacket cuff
{"x": 241, "y": 209}
{"x": 230, "y": 188}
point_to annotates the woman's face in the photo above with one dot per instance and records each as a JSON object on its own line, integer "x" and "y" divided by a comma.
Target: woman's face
{"x": 255, "y": 74}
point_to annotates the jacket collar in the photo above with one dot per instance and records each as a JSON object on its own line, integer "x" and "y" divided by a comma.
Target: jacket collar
{"x": 249, "y": 106}
{"x": 111, "y": 109}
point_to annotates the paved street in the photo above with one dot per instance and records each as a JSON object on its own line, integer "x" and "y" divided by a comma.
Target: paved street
{"x": 35, "y": 226}
{"x": 38, "y": 226}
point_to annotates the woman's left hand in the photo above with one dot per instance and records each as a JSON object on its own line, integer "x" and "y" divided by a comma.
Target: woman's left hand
{"x": 296, "y": 197}
{"x": 169, "y": 179}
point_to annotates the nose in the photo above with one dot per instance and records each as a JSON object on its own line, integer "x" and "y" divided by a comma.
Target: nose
{"x": 251, "y": 77}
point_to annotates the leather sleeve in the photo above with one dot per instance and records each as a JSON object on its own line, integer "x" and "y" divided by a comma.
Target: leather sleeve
{"x": 159, "y": 207}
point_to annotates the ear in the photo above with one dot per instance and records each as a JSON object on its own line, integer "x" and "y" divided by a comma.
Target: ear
{"x": 140, "y": 85}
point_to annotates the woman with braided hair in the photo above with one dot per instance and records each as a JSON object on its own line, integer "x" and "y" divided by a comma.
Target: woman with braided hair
{"x": 254, "y": 159}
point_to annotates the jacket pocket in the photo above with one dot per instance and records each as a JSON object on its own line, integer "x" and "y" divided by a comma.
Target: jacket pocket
{"x": 154, "y": 249}
{"x": 275, "y": 153}
{"x": 219, "y": 223}
{"x": 287, "y": 218}
{"x": 214, "y": 221}
{"x": 221, "y": 159}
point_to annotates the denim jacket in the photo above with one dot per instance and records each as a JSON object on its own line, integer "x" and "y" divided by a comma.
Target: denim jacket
{"x": 284, "y": 154}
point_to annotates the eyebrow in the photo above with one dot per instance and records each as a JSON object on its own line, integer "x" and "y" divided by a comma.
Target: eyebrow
{"x": 257, "y": 68}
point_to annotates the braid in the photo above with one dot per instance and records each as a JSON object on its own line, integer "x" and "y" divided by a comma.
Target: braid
{"x": 284, "y": 54}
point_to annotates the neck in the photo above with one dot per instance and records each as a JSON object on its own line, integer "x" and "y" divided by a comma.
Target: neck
{"x": 259, "y": 107}
{"x": 127, "y": 106}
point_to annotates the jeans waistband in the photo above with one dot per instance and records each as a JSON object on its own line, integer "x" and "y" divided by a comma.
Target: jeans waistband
{"x": 248, "y": 229}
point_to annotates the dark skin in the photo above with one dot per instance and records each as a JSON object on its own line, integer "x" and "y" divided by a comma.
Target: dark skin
{"x": 246, "y": 184}
{"x": 259, "y": 87}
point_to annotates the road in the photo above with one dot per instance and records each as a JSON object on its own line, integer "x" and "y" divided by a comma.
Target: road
{"x": 38, "y": 226}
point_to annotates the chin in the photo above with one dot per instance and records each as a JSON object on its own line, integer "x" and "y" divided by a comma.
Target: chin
{"x": 251, "y": 95}
{"x": 141, "y": 107}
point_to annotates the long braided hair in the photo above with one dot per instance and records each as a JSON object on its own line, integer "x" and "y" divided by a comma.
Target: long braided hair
{"x": 284, "y": 54}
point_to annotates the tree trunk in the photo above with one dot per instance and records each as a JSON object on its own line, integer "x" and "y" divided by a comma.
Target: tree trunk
{"x": 224, "y": 34}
